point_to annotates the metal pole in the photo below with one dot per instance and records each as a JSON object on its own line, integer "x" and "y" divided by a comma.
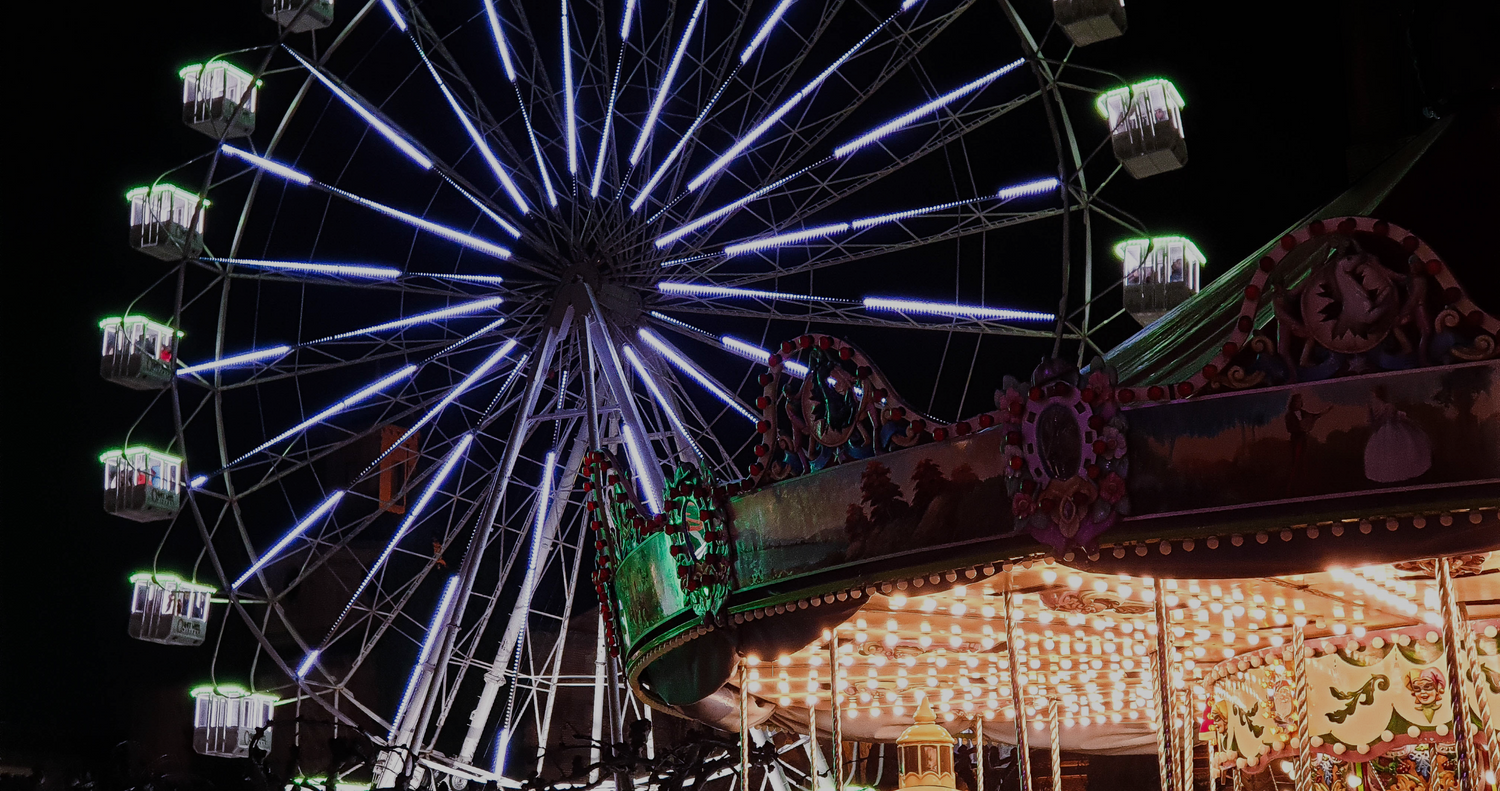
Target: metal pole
{"x": 1466, "y": 763}
{"x": 1161, "y": 662}
{"x": 979, "y": 750}
{"x": 1302, "y": 738}
{"x": 815, "y": 760}
{"x": 596, "y": 733}
{"x": 744, "y": 725}
{"x": 1056, "y": 727}
{"x": 495, "y": 678}
{"x": 838, "y": 718}
{"x": 1013, "y": 639}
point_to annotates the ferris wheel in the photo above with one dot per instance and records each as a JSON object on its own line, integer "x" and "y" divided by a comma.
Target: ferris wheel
{"x": 438, "y": 254}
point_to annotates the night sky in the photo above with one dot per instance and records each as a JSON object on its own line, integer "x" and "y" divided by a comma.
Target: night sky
{"x": 1284, "y": 99}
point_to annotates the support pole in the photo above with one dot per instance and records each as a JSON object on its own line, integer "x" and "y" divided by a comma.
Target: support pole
{"x": 1466, "y": 763}
{"x": 979, "y": 750}
{"x": 1302, "y": 738}
{"x": 1189, "y": 737}
{"x": 821, "y": 776}
{"x": 744, "y": 726}
{"x": 1055, "y": 724}
{"x": 834, "y": 694}
{"x": 1013, "y": 638}
{"x": 1161, "y": 662}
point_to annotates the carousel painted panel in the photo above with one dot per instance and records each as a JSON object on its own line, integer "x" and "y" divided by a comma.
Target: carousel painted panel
{"x": 648, "y": 588}
{"x": 1365, "y": 697}
{"x": 923, "y": 497}
{"x": 1374, "y": 433}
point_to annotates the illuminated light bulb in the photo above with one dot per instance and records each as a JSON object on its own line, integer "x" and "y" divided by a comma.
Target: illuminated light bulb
{"x": 929, "y": 604}
{"x": 958, "y": 608}
{"x": 1075, "y": 582}
{"x": 898, "y": 601}
{"x": 784, "y": 660}
{"x": 924, "y": 641}
{"x": 1101, "y": 586}
{"x": 1049, "y": 576}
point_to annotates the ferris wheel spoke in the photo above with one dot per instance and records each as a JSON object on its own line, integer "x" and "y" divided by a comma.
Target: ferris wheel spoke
{"x": 277, "y": 169}
{"x": 275, "y": 352}
{"x": 723, "y": 75}
{"x": 840, "y": 238}
{"x": 836, "y": 252}
{"x": 403, "y": 141}
{"x": 711, "y": 173}
{"x": 435, "y": 482}
{"x": 826, "y": 191}
{"x": 908, "y": 39}
{"x": 854, "y": 318}
{"x": 461, "y": 113}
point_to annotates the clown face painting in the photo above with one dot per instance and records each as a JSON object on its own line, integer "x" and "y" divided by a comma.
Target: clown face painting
{"x": 1426, "y": 687}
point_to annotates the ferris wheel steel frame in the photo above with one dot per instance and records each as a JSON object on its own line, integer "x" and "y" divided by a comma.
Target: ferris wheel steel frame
{"x": 539, "y": 529}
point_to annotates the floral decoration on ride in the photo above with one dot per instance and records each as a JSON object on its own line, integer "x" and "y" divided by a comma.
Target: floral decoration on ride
{"x": 825, "y": 403}
{"x": 1065, "y": 451}
{"x": 697, "y": 525}
{"x": 618, "y": 521}
{"x": 1350, "y": 295}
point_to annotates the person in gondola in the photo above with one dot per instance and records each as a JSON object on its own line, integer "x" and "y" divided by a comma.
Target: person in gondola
{"x": 1299, "y": 423}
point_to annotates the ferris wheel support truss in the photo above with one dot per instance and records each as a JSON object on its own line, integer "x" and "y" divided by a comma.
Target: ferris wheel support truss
{"x": 559, "y": 328}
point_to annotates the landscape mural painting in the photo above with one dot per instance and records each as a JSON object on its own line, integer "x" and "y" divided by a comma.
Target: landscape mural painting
{"x": 930, "y": 495}
{"x": 1420, "y": 428}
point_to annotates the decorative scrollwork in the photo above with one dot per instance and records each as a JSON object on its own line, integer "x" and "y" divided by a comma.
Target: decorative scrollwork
{"x": 825, "y": 403}
{"x": 697, "y": 525}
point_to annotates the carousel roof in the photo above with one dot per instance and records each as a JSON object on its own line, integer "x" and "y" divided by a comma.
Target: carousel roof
{"x": 1441, "y": 186}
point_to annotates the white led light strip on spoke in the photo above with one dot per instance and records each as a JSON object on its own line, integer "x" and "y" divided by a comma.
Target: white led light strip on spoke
{"x": 1038, "y": 187}
{"x": 666, "y": 84}
{"x": 568, "y": 99}
{"x": 352, "y": 400}
{"x": 468, "y": 382}
{"x": 638, "y": 461}
{"x": 291, "y": 535}
{"x": 235, "y": 360}
{"x": 906, "y": 119}
{"x": 406, "y": 525}
{"x": 660, "y": 397}
{"x": 421, "y": 318}
{"x": 783, "y": 239}
{"x": 498, "y": 32}
{"x": 771, "y": 120}
{"x": 765, "y": 29}
{"x": 683, "y": 364}
{"x": 471, "y": 242}
{"x": 705, "y": 290}
{"x": 385, "y": 130}
{"x": 434, "y": 630}
{"x": 950, "y": 310}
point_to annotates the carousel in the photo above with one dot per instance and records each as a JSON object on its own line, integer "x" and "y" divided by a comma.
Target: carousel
{"x": 1257, "y": 542}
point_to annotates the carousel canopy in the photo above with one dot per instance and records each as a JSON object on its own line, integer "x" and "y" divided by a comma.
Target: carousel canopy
{"x": 1441, "y": 186}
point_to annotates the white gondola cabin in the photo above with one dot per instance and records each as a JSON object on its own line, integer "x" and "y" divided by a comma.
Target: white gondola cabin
{"x": 142, "y": 484}
{"x": 1145, "y": 126}
{"x": 138, "y": 352}
{"x": 219, "y": 99}
{"x": 289, "y": 14}
{"x": 166, "y": 221}
{"x": 167, "y": 609}
{"x": 1090, "y": 21}
{"x": 1160, "y": 274}
{"x": 228, "y": 720}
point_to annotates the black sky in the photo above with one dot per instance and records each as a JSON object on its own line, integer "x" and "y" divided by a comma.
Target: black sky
{"x": 1283, "y": 98}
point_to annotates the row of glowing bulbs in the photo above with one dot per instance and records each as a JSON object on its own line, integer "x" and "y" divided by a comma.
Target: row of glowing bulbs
{"x": 1080, "y": 658}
